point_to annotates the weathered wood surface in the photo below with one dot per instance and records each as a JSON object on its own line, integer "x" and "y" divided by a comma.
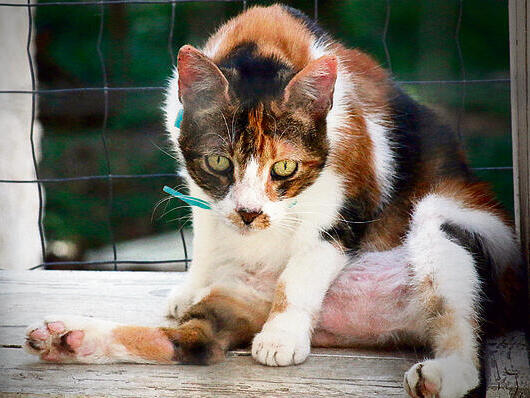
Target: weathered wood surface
{"x": 139, "y": 297}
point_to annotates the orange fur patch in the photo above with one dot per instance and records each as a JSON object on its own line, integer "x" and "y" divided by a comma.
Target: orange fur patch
{"x": 354, "y": 156}
{"x": 240, "y": 319}
{"x": 353, "y": 159}
{"x": 255, "y": 121}
{"x": 441, "y": 319}
{"x": 387, "y": 230}
{"x": 276, "y": 33}
{"x": 260, "y": 222}
{"x": 279, "y": 303}
{"x": 145, "y": 342}
{"x": 476, "y": 195}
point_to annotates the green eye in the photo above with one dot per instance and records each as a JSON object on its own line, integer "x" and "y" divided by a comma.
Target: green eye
{"x": 284, "y": 168}
{"x": 218, "y": 163}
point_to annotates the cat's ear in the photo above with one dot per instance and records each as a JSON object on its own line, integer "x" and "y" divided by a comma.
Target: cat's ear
{"x": 312, "y": 88}
{"x": 201, "y": 83}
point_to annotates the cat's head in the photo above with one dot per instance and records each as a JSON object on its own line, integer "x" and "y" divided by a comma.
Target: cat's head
{"x": 253, "y": 140}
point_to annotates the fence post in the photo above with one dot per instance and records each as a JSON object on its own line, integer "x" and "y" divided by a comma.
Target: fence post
{"x": 520, "y": 87}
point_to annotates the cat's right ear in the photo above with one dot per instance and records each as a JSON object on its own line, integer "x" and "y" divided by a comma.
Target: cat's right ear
{"x": 201, "y": 84}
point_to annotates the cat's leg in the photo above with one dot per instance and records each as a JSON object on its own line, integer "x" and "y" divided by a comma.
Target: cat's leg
{"x": 285, "y": 338}
{"x": 218, "y": 322}
{"x": 198, "y": 277}
{"x": 446, "y": 280}
{"x": 73, "y": 339}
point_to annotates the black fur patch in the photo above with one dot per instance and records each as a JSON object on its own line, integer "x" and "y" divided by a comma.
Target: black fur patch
{"x": 349, "y": 230}
{"x": 419, "y": 138}
{"x": 254, "y": 78}
{"x": 310, "y": 24}
{"x": 490, "y": 306}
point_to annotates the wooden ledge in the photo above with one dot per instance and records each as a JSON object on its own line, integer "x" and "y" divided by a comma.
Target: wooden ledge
{"x": 139, "y": 297}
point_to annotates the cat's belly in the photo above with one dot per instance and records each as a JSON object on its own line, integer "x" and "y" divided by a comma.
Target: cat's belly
{"x": 370, "y": 302}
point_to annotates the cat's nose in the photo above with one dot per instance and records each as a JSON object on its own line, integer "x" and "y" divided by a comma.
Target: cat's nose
{"x": 248, "y": 215}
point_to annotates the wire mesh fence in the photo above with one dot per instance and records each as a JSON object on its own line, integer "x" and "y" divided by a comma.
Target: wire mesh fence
{"x": 106, "y": 89}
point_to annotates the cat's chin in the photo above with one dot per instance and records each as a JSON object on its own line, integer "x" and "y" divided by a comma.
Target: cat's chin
{"x": 245, "y": 230}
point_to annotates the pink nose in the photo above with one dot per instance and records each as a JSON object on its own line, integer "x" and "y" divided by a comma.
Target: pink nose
{"x": 248, "y": 215}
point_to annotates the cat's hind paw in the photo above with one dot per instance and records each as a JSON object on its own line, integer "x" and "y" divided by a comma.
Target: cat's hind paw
{"x": 450, "y": 377}
{"x": 68, "y": 339}
{"x": 423, "y": 380}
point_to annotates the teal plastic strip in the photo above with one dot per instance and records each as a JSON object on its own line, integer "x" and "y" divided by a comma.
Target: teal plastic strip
{"x": 178, "y": 121}
{"x": 188, "y": 199}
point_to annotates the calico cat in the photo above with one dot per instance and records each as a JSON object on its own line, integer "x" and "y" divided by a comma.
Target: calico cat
{"x": 343, "y": 213}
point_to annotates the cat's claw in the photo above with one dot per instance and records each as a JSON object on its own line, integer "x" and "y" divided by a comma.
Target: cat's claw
{"x": 279, "y": 348}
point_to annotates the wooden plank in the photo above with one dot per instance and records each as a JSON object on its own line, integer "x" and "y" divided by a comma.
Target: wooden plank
{"x": 519, "y": 11}
{"x": 508, "y": 367}
{"x": 139, "y": 297}
{"x": 128, "y": 297}
{"x": 238, "y": 376}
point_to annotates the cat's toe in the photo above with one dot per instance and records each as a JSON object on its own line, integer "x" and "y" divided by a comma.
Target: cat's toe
{"x": 36, "y": 339}
{"x": 179, "y": 300}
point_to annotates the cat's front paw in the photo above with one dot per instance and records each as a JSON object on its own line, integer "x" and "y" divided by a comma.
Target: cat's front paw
{"x": 280, "y": 348}
{"x": 179, "y": 300}
{"x": 441, "y": 378}
{"x": 68, "y": 339}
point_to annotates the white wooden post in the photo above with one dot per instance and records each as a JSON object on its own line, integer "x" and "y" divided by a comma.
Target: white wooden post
{"x": 19, "y": 203}
{"x": 520, "y": 88}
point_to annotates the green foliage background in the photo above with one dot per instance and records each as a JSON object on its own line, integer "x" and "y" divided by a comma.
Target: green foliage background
{"x": 422, "y": 45}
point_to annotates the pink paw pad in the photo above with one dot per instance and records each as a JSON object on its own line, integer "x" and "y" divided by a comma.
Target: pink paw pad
{"x": 40, "y": 334}
{"x": 51, "y": 356}
{"x": 430, "y": 387}
{"x": 56, "y": 327}
{"x": 74, "y": 339}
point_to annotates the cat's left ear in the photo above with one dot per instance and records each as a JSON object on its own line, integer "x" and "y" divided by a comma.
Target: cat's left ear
{"x": 312, "y": 88}
{"x": 201, "y": 83}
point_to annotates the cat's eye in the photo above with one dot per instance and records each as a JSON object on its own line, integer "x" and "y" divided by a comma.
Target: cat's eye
{"x": 284, "y": 168}
{"x": 218, "y": 163}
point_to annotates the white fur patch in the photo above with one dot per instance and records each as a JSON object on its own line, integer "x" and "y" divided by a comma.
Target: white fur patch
{"x": 171, "y": 108}
{"x": 249, "y": 193}
{"x": 447, "y": 264}
{"x": 318, "y": 48}
{"x": 384, "y": 164}
{"x": 338, "y": 117}
{"x": 501, "y": 242}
